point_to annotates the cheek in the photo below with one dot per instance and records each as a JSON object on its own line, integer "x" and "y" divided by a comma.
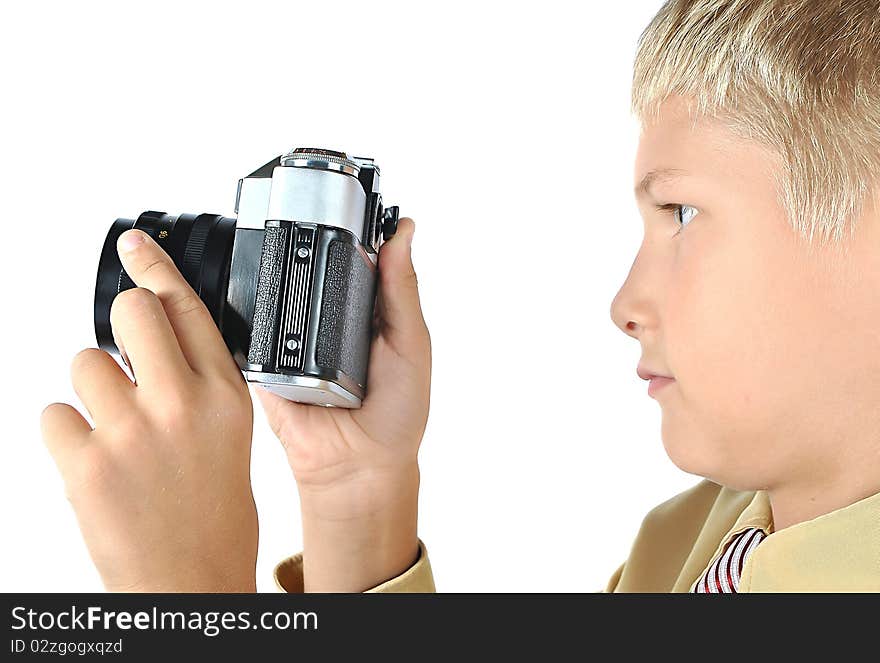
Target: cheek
{"x": 724, "y": 331}
{"x": 722, "y": 338}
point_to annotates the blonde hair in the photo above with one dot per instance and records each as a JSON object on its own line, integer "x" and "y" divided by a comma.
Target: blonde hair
{"x": 799, "y": 76}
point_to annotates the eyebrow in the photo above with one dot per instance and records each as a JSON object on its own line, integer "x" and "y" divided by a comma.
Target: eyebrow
{"x": 643, "y": 188}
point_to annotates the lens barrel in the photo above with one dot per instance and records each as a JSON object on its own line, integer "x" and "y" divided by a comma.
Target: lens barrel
{"x": 200, "y": 246}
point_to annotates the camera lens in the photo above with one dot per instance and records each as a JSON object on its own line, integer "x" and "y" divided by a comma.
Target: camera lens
{"x": 200, "y": 246}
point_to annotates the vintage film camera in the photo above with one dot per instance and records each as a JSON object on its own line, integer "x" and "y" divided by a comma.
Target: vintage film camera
{"x": 290, "y": 282}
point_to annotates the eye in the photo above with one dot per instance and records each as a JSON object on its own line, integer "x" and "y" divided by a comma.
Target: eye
{"x": 681, "y": 213}
{"x": 684, "y": 213}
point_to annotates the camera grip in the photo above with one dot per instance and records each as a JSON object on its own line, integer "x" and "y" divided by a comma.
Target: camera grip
{"x": 345, "y": 330}
{"x": 267, "y": 304}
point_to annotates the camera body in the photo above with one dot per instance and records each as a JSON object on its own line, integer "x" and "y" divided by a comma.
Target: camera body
{"x": 291, "y": 281}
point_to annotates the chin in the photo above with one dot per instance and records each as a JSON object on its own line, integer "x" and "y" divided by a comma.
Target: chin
{"x": 692, "y": 452}
{"x": 695, "y": 453}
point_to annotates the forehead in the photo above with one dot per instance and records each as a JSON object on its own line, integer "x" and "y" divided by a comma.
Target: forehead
{"x": 675, "y": 141}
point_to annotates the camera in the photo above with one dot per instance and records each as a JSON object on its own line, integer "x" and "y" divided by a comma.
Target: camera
{"x": 290, "y": 281}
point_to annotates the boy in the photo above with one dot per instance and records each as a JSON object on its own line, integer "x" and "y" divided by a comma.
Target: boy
{"x": 752, "y": 295}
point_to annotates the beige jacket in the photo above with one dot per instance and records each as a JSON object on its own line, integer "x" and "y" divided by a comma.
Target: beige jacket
{"x": 680, "y": 538}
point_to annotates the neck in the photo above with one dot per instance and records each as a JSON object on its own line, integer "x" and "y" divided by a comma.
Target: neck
{"x": 792, "y": 504}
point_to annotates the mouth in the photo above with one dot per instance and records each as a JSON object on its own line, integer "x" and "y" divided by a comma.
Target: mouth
{"x": 649, "y": 374}
{"x": 657, "y": 382}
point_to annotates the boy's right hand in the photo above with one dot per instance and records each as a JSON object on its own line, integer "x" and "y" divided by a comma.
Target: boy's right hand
{"x": 356, "y": 469}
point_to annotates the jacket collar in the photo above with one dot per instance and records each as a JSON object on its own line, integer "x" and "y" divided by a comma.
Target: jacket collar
{"x": 837, "y": 551}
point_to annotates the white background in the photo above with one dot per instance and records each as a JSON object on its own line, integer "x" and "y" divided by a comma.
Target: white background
{"x": 503, "y": 129}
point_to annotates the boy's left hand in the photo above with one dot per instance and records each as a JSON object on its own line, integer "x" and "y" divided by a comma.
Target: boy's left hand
{"x": 161, "y": 485}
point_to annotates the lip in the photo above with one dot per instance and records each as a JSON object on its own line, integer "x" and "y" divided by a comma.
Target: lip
{"x": 656, "y": 383}
{"x": 647, "y": 373}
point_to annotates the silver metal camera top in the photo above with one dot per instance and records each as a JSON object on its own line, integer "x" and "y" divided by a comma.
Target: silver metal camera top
{"x": 322, "y": 159}
{"x": 308, "y": 185}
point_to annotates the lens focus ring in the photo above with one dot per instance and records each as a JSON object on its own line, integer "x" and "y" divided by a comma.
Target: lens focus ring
{"x": 195, "y": 246}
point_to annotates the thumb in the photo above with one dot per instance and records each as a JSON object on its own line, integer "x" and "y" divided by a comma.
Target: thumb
{"x": 398, "y": 297}
{"x": 287, "y": 419}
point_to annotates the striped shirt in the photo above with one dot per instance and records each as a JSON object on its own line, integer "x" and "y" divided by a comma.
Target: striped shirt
{"x": 722, "y": 576}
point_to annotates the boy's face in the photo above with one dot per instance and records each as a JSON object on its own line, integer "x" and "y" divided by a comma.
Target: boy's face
{"x": 774, "y": 352}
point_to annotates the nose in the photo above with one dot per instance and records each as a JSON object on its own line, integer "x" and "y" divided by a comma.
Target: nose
{"x": 621, "y": 314}
{"x": 633, "y": 308}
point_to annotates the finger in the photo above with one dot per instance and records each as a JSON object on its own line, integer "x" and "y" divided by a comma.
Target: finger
{"x": 102, "y": 386}
{"x": 198, "y": 336}
{"x": 138, "y": 320}
{"x": 398, "y": 301}
{"x": 123, "y": 354}
{"x": 64, "y": 430}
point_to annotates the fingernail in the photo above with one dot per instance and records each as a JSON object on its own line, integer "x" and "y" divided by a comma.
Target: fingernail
{"x": 130, "y": 240}
{"x": 410, "y": 238}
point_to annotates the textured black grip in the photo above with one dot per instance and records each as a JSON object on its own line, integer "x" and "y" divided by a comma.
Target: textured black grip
{"x": 345, "y": 330}
{"x": 266, "y": 306}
